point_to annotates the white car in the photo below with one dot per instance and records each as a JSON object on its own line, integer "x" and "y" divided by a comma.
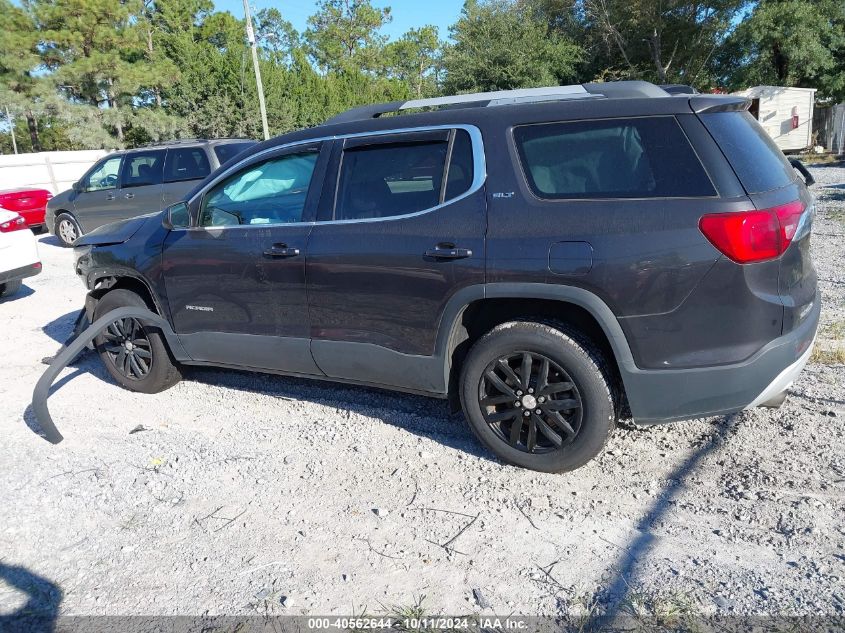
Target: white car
{"x": 18, "y": 252}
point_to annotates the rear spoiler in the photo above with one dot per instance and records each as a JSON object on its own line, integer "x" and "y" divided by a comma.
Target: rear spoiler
{"x": 718, "y": 103}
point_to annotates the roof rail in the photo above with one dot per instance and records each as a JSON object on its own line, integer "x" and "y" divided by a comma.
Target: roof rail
{"x": 610, "y": 90}
{"x": 177, "y": 141}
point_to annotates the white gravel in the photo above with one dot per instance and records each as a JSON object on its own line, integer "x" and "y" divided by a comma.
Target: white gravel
{"x": 246, "y": 489}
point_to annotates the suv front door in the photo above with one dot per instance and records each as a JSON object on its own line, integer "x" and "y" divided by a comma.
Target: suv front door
{"x": 235, "y": 280}
{"x": 402, "y": 232}
{"x": 98, "y": 194}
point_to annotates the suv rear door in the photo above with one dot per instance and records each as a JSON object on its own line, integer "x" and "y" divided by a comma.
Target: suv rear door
{"x": 183, "y": 167}
{"x": 400, "y": 231}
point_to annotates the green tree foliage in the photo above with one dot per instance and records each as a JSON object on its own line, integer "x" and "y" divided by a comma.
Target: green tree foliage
{"x": 100, "y": 73}
{"x": 500, "y": 44}
{"x": 415, "y": 59}
{"x": 667, "y": 41}
{"x": 789, "y": 43}
{"x": 344, "y": 35}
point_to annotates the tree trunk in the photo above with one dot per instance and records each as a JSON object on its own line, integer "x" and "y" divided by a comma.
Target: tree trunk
{"x": 118, "y": 125}
{"x": 655, "y": 42}
{"x": 32, "y": 124}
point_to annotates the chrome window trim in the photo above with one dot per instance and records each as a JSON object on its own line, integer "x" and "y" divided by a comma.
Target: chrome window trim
{"x": 479, "y": 175}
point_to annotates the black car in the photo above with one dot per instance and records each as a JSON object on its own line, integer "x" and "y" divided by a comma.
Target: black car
{"x": 543, "y": 258}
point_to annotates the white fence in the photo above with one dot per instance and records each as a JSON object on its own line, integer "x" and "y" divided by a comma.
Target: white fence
{"x": 54, "y": 171}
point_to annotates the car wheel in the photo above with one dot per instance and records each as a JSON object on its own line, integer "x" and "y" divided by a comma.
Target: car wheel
{"x": 67, "y": 229}
{"x": 538, "y": 396}
{"x": 10, "y": 287}
{"x": 135, "y": 355}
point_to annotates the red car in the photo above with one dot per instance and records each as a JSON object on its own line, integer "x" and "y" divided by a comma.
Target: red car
{"x": 29, "y": 203}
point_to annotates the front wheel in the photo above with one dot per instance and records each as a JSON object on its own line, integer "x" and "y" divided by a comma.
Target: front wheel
{"x": 135, "y": 355}
{"x": 538, "y": 396}
{"x": 67, "y": 229}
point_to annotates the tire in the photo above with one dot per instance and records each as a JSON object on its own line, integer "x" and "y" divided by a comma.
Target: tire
{"x": 145, "y": 365}
{"x": 575, "y": 402}
{"x": 10, "y": 287}
{"x": 67, "y": 229}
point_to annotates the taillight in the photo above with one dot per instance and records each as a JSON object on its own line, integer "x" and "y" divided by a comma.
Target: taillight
{"x": 753, "y": 236}
{"x": 15, "y": 224}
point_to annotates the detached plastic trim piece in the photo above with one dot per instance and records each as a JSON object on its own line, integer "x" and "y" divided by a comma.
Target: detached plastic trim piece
{"x": 67, "y": 354}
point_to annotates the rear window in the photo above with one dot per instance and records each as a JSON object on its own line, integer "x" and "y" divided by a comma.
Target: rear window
{"x": 228, "y": 151}
{"x": 385, "y": 180}
{"x": 186, "y": 163}
{"x": 647, "y": 157}
{"x": 757, "y": 161}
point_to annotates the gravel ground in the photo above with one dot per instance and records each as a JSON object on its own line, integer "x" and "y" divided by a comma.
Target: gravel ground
{"x": 250, "y": 494}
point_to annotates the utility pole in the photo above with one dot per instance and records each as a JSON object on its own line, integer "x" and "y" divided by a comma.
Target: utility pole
{"x": 12, "y": 128}
{"x": 250, "y": 36}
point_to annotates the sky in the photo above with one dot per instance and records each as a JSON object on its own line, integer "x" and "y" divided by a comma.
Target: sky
{"x": 407, "y": 14}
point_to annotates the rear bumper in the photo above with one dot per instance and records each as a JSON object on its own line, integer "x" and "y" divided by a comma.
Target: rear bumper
{"x": 665, "y": 395}
{"x": 20, "y": 273}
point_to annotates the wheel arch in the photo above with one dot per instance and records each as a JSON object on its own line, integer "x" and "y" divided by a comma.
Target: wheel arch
{"x": 478, "y": 312}
{"x": 105, "y": 281}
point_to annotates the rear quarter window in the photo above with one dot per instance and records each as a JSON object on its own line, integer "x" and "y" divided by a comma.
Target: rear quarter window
{"x": 648, "y": 157}
{"x": 227, "y": 151}
{"x": 758, "y": 162}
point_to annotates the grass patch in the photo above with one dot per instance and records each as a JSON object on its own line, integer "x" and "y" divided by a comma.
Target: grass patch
{"x": 820, "y": 159}
{"x": 835, "y": 330}
{"x": 824, "y": 356}
{"x": 659, "y": 611}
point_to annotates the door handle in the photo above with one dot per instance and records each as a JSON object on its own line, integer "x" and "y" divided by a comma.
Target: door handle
{"x": 110, "y": 196}
{"x": 281, "y": 250}
{"x": 129, "y": 196}
{"x": 448, "y": 251}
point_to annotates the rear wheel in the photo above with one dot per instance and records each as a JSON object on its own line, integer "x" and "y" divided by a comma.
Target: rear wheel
{"x": 538, "y": 396}
{"x": 67, "y": 229}
{"x": 135, "y": 355}
{"x": 10, "y": 287}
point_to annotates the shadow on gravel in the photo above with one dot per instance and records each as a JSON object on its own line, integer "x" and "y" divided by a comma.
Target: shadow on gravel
{"x": 60, "y": 329}
{"x": 426, "y": 417}
{"x": 613, "y": 598}
{"x": 49, "y": 240}
{"x": 39, "y": 613}
{"x": 24, "y": 292}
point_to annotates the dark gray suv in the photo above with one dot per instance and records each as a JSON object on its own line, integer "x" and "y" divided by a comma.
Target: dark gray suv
{"x": 544, "y": 258}
{"x": 129, "y": 183}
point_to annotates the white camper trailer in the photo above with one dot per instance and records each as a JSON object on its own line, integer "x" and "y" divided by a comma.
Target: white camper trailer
{"x": 785, "y": 113}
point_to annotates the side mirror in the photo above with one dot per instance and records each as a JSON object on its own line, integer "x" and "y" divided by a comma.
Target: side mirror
{"x": 176, "y": 216}
{"x": 76, "y": 187}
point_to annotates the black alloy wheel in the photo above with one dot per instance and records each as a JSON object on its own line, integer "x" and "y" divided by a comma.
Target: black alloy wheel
{"x": 530, "y": 402}
{"x": 128, "y": 348}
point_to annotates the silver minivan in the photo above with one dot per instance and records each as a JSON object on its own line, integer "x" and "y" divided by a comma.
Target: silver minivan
{"x": 130, "y": 183}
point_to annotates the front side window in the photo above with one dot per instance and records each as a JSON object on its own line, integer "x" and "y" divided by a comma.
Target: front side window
{"x": 647, "y": 157}
{"x": 186, "y": 163}
{"x": 143, "y": 168}
{"x": 270, "y": 192}
{"x": 104, "y": 176}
